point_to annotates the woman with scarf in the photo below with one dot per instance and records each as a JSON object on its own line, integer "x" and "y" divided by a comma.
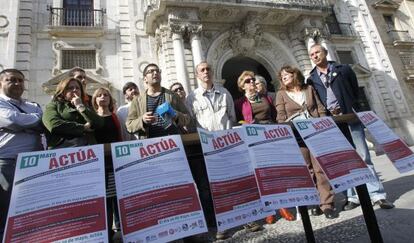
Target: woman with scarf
{"x": 257, "y": 109}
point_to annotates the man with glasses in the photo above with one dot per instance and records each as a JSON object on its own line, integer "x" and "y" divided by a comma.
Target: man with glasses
{"x": 20, "y": 128}
{"x": 157, "y": 112}
{"x": 178, "y": 89}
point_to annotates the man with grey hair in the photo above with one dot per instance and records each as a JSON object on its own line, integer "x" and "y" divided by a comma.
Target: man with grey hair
{"x": 337, "y": 86}
{"x": 20, "y": 128}
{"x": 261, "y": 87}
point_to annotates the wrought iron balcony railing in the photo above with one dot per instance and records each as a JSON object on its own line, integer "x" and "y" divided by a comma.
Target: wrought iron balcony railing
{"x": 343, "y": 29}
{"x": 76, "y": 17}
{"x": 400, "y": 35}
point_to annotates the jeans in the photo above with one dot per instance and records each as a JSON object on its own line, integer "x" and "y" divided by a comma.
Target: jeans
{"x": 7, "y": 167}
{"x": 375, "y": 189}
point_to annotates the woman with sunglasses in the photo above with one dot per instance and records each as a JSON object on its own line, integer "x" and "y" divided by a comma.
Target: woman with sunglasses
{"x": 69, "y": 122}
{"x": 256, "y": 108}
{"x": 253, "y": 107}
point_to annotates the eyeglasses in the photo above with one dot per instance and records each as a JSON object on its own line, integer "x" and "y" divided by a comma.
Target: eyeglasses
{"x": 153, "y": 70}
{"x": 249, "y": 80}
{"x": 178, "y": 89}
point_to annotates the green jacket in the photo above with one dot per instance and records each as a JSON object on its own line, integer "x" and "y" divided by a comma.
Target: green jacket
{"x": 63, "y": 123}
{"x": 136, "y": 125}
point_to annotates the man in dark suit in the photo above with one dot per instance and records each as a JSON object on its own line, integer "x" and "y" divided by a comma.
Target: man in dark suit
{"x": 337, "y": 86}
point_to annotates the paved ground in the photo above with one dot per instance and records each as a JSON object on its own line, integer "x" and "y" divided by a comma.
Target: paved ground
{"x": 396, "y": 225}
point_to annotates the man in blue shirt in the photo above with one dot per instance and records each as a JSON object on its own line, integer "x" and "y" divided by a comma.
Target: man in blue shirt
{"x": 20, "y": 128}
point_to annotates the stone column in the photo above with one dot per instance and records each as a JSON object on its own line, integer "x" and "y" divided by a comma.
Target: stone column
{"x": 196, "y": 48}
{"x": 179, "y": 57}
{"x": 309, "y": 41}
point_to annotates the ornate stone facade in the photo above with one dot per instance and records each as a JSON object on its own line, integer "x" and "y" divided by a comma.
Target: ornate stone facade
{"x": 178, "y": 35}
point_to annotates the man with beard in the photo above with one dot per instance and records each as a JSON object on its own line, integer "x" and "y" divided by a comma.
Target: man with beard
{"x": 157, "y": 112}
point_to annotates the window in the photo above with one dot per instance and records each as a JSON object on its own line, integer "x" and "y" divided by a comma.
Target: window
{"x": 85, "y": 59}
{"x": 333, "y": 24}
{"x": 389, "y": 21}
{"x": 78, "y": 12}
{"x": 345, "y": 57}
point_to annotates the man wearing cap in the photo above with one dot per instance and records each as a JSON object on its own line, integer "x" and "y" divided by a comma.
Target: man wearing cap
{"x": 130, "y": 90}
{"x": 20, "y": 128}
{"x": 157, "y": 112}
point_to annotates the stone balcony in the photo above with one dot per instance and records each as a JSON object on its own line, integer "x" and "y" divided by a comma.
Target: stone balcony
{"x": 271, "y": 12}
{"x": 401, "y": 38}
{"x": 76, "y": 22}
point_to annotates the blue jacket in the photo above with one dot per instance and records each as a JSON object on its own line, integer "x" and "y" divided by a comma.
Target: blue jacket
{"x": 344, "y": 84}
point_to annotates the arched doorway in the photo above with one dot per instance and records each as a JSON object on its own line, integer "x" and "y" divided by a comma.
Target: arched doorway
{"x": 232, "y": 69}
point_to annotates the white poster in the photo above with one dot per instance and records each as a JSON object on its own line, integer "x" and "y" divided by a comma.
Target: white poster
{"x": 282, "y": 175}
{"x": 336, "y": 156}
{"x": 58, "y": 196}
{"x": 394, "y": 147}
{"x": 233, "y": 185}
{"x": 157, "y": 197}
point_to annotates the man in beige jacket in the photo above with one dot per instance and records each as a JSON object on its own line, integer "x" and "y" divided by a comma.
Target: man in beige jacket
{"x": 156, "y": 112}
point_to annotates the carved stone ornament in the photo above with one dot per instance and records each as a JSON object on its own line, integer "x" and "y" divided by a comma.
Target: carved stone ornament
{"x": 60, "y": 45}
{"x": 4, "y": 22}
{"x": 244, "y": 38}
{"x": 313, "y": 33}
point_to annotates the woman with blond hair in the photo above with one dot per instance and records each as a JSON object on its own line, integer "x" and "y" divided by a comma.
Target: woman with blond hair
{"x": 296, "y": 100}
{"x": 110, "y": 132}
{"x": 253, "y": 107}
{"x": 104, "y": 105}
{"x": 69, "y": 122}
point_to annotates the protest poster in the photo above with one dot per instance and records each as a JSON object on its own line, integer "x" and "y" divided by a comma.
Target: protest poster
{"x": 281, "y": 171}
{"x": 394, "y": 147}
{"x": 58, "y": 196}
{"x": 233, "y": 185}
{"x": 157, "y": 197}
{"x": 336, "y": 156}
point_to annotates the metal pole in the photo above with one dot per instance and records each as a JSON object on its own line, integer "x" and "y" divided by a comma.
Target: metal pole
{"x": 369, "y": 215}
{"x": 310, "y": 238}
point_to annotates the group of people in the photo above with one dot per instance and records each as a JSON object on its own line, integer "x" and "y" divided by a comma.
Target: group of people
{"x": 73, "y": 118}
